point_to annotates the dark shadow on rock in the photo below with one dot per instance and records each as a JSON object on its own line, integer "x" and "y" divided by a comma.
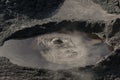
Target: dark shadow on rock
{"x": 114, "y": 27}
{"x": 37, "y": 9}
{"x": 82, "y": 26}
{"x": 109, "y": 67}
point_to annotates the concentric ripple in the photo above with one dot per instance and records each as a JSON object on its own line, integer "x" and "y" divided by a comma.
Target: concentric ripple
{"x": 55, "y": 51}
{"x": 73, "y": 49}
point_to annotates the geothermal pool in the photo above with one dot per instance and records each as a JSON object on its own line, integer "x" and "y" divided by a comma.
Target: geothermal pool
{"x": 55, "y": 51}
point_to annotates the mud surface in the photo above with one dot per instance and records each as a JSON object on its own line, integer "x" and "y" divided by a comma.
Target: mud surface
{"x": 55, "y": 51}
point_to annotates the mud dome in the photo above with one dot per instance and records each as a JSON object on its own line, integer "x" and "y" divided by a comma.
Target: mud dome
{"x": 55, "y": 51}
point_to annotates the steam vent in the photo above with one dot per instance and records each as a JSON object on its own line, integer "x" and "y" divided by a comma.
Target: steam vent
{"x": 59, "y": 40}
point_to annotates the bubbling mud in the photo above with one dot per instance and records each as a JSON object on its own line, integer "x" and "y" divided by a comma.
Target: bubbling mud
{"x": 73, "y": 49}
{"x": 55, "y": 51}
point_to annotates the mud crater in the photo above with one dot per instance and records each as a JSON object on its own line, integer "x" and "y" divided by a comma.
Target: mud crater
{"x": 56, "y": 50}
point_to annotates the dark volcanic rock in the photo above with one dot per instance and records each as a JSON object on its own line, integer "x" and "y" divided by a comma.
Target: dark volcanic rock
{"x": 112, "y": 6}
{"x": 113, "y": 32}
{"x": 33, "y": 9}
{"x": 109, "y": 67}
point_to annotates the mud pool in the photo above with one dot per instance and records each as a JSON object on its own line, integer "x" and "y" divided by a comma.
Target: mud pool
{"x": 55, "y": 51}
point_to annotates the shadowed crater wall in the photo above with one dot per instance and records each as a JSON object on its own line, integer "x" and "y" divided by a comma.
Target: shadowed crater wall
{"x": 37, "y": 9}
